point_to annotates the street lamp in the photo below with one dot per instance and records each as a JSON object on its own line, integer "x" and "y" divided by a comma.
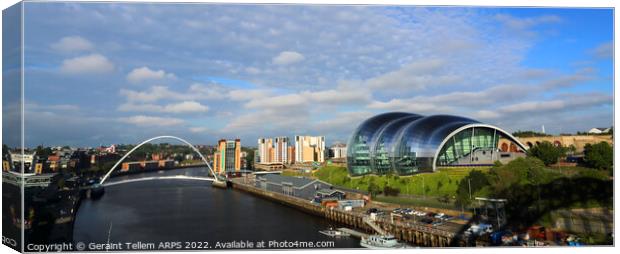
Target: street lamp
{"x": 423, "y": 187}
{"x": 469, "y": 185}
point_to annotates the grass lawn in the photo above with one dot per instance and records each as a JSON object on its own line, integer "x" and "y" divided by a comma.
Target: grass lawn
{"x": 444, "y": 182}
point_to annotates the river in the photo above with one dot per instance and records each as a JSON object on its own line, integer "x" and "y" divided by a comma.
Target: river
{"x": 194, "y": 215}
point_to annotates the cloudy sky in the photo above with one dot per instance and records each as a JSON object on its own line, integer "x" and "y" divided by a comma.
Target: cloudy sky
{"x": 121, "y": 73}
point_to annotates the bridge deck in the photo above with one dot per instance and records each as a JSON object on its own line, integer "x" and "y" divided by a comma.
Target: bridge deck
{"x": 179, "y": 177}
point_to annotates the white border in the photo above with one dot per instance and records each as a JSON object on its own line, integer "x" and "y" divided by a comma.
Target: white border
{"x": 505, "y": 3}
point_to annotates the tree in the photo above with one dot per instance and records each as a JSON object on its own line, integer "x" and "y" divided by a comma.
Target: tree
{"x": 520, "y": 171}
{"x": 546, "y": 152}
{"x": 523, "y": 134}
{"x": 473, "y": 182}
{"x": 599, "y": 156}
{"x": 43, "y": 152}
{"x": 572, "y": 149}
{"x": 389, "y": 191}
{"x": 373, "y": 188}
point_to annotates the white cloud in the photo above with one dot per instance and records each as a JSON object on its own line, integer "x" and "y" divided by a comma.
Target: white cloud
{"x": 72, "y": 44}
{"x": 568, "y": 102}
{"x": 88, "y": 64}
{"x": 411, "y": 105}
{"x": 342, "y": 122}
{"x": 341, "y": 95}
{"x": 525, "y": 23}
{"x": 270, "y": 120}
{"x": 181, "y": 107}
{"x": 143, "y": 120}
{"x": 131, "y": 107}
{"x": 146, "y": 74}
{"x": 252, "y": 70}
{"x": 199, "y": 129}
{"x": 185, "y": 107}
{"x": 414, "y": 76}
{"x": 603, "y": 51}
{"x": 280, "y": 101}
{"x": 194, "y": 92}
{"x": 288, "y": 57}
{"x": 486, "y": 114}
{"x": 248, "y": 94}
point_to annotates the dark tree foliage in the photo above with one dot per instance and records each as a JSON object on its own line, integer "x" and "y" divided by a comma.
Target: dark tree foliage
{"x": 43, "y": 152}
{"x": 599, "y": 156}
{"x": 389, "y": 191}
{"x": 547, "y": 152}
{"x": 524, "y": 134}
{"x": 476, "y": 180}
{"x": 373, "y": 188}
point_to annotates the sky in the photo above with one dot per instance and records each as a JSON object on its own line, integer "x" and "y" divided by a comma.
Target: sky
{"x": 103, "y": 73}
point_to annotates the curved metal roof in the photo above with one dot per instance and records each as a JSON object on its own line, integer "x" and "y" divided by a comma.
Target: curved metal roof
{"x": 408, "y": 141}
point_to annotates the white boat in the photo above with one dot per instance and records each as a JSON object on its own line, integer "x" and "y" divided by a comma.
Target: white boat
{"x": 334, "y": 233}
{"x": 382, "y": 242}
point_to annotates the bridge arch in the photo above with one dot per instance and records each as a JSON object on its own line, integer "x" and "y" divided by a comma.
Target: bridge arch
{"x": 106, "y": 176}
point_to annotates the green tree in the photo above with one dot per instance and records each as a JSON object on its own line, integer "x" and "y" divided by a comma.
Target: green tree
{"x": 520, "y": 171}
{"x": 389, "y": 191}
{"x": 572, "y": 149}
{"x": 473, "y": 182}
{"x": 373, "y": 188}
{"x": 599, "y": 156}
{"x": 546, "y": 152}
{"x": 523, "y": 134}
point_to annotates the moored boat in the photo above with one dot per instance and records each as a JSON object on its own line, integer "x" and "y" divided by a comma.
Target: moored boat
{"x": 381, "y": 242}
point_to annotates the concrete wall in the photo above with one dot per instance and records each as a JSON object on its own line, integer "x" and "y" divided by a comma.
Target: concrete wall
{"x": 579, "y": 141}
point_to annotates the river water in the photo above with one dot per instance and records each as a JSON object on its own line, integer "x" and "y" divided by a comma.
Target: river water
{"x": 193, "y": 215}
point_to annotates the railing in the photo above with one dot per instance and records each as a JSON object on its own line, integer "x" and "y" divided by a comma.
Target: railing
{"x": 374, "y": 226}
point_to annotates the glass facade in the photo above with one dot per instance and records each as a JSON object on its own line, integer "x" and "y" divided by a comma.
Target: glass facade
{"x": 381, "y": 161}
{"x": 406, "y": 144}
{"x": 468, "y": 141}
{"x": 358, "y": 147}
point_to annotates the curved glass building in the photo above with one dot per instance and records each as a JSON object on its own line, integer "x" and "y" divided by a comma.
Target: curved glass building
{"x": 405, "y": 143}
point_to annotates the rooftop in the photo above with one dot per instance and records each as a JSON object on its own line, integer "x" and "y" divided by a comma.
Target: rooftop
{"x": 295, "y": 181}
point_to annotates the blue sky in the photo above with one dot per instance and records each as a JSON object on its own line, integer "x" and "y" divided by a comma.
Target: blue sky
{"x": 100, "y": 73}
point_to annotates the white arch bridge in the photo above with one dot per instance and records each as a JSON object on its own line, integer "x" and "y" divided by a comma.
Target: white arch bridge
{"x": 154, "y": 178}
{"x": 179, "y": 177}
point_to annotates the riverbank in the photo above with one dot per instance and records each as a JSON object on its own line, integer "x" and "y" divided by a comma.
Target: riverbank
{"x": 412, "y": 233}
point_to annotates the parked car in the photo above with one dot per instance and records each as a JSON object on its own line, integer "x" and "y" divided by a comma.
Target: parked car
{"x": 372, "y": 210}
{"x": 447, "y": 217}
{"x": 426, "y": 220}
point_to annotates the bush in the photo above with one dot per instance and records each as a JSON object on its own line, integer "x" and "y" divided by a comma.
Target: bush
{"x": 475, "y": 180}
{"x": 389, "y": 191}
{"x": 546, "y": 152}
{"x": 600, "y": 156}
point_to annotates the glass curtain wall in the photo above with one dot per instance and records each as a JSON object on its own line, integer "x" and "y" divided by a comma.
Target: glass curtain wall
{"x": 467, "y": 141}
{"x": 360, "y": 143}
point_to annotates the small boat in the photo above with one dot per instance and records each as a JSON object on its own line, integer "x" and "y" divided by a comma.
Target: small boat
{"x": 382, "y": 242}
{"x": 334, "y": 233}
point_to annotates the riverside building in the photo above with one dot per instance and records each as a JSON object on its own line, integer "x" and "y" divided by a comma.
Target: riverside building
{"x": 406, "y": 143}
{"x": 227, "y": 157}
